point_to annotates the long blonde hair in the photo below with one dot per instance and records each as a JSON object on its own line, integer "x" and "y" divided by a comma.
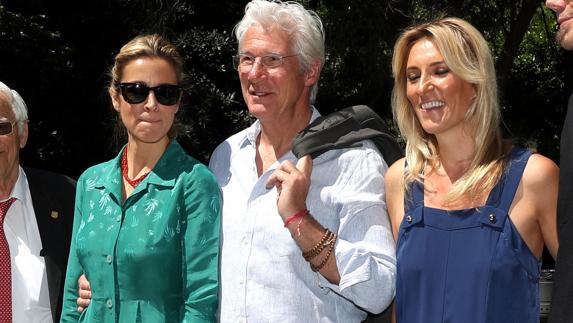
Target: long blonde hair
{"x": 467, "y": 54}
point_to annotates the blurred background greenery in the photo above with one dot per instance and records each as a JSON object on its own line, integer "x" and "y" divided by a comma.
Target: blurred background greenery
{"x": 57, "y": 54}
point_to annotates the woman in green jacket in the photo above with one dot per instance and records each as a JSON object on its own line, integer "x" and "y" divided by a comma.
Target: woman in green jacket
{"x": 146, "y": 226}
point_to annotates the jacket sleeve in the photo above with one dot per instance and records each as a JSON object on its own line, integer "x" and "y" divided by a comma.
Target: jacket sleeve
{"x": 69, "y": 308}
{"x": 200, "y": 244}
{"x": 561, "y": 309}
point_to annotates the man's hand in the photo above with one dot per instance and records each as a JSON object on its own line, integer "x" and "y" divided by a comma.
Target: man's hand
{"x": 85, "y": 293}
{"x": 292, "y": 183}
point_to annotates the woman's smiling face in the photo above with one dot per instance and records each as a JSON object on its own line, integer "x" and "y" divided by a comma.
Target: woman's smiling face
{"x": 439, "y": 97}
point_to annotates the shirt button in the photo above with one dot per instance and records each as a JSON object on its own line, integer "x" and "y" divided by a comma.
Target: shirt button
{"x": 118, "y": 218}
{"x": 109, "y": 303}
{"x": 492, "y": 218}
{"x": 409, "y": 218}
{"x": 108, "y": 259}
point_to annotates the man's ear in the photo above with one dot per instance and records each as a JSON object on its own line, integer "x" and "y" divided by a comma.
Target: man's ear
{"x": 23, "y": 135}
{"x": 313, "y": 73}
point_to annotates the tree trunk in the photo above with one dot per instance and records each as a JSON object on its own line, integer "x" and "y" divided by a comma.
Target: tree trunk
{"x": 517, "y": 31}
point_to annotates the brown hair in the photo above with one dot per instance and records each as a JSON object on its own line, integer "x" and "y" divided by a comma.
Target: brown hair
{"x": 145, "y": 46}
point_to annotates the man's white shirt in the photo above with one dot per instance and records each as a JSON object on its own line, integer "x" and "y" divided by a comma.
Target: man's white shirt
{"x": 30, "y": 297}
{"x": 264, "y": 277}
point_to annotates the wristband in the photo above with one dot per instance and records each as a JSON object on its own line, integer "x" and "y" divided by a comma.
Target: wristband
{"x": 298, "y": 215}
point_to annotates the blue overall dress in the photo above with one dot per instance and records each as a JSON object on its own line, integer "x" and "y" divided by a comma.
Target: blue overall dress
{"x": 468, "y": 265}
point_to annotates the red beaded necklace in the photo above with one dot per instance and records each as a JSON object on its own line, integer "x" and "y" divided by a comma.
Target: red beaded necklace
{"x": 123, "y": 162}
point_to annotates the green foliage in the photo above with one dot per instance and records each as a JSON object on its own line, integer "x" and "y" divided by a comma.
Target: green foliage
{"x": 56, "y": 54}
{"x": 213, "y": 108}
{"x": 535, "y": 93}
{"x": 31, "y": 53}
{"x": 359, "y": 39}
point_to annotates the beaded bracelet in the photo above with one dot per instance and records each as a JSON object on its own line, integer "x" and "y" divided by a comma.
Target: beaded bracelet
{"x": 317, "y": 249}
{"x": 328, "y": 254}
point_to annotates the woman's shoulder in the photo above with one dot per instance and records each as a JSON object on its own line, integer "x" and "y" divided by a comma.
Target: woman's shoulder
{"x": 193, "y": 171}
{"x": 394, "y": 189}
{"x": 394, "y": 182}
{"x": 179, "y": 160}
{"x": 539, "y": 172}
{"x": 99, "y": 169}
{"x": 396, "y": 171}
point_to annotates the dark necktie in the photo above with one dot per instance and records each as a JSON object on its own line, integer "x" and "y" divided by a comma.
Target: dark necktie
{"x": 5, "y": 267}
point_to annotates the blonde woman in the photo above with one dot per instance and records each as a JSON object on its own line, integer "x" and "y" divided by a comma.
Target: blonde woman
{"x": 471, "y": 213}
{"x": 146, "y": 225}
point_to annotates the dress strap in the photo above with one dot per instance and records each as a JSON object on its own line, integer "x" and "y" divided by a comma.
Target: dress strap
{"x": 501, "y": 196}
{"x": 414, "y": 197}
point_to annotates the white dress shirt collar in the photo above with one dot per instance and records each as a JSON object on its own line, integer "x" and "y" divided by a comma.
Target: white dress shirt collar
{"x": 254, "y": 130}
{"x": 20, "y": 188}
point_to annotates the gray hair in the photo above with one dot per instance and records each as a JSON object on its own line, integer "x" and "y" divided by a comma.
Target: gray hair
{"x": 17, "y": 104}
{"x": 303, "y": 26}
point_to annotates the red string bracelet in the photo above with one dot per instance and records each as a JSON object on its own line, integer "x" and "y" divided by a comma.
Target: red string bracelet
{"x": 297, "y": 215}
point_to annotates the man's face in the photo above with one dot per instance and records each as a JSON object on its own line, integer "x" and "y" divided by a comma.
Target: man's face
{"x": 10, "y": 144}
{"x": 272, "y": 94}
{"x": 564, "y": 11}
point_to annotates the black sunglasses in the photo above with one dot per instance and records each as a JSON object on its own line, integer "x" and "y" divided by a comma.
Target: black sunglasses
{"x": 6, "y": 128}
{"x": 166, "y": 94}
